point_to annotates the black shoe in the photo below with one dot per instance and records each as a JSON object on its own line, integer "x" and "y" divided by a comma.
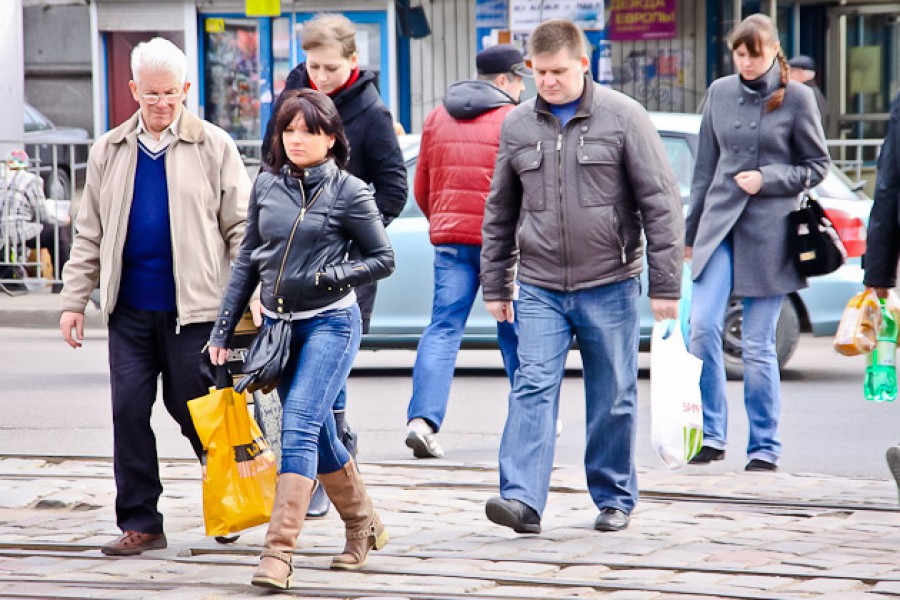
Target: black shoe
{"x": 706, "y": 455}
{"x": 514, "y": 514}
{"x": 318, "y": 504}
{"x": 611, "y": 519}
{"x": 758, "y": 464}
{"x": 227, "y": 539}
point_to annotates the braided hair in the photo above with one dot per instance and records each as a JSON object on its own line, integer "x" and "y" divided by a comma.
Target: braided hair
{"x": 755, "y": 32}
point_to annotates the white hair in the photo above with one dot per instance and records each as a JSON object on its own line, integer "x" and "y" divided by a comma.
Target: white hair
{"x": 159, "y": 54}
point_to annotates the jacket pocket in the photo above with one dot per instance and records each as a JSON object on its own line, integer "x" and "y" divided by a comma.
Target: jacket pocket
{"x": 600, "y": 171}
{"x": 527, "y": 165}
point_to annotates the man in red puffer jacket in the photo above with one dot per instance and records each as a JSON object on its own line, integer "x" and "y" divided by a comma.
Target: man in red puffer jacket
{"x": 460, "y": 141}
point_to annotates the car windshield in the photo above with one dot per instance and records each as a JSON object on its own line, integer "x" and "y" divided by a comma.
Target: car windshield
{"x": 682, "y": 160}
{"x": 35, "y": 121}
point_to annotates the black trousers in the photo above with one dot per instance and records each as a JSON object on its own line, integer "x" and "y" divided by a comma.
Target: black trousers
{"x": 142, "y": 346}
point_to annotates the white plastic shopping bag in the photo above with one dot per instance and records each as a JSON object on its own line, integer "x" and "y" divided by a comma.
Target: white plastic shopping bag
{"x": 676, "y": 412}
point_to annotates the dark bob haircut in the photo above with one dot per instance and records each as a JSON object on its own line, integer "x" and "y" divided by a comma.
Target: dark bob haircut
{"x": 320, "y": 116}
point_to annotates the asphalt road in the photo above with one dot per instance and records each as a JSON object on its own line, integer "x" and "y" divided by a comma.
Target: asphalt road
{"x": 56, "y": 401}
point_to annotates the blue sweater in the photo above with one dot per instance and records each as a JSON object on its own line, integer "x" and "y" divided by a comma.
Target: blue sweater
{"x": 148, "y": 276}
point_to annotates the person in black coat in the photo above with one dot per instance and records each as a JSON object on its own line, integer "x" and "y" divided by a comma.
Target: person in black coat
{"x": 332, "y": 67}
{"x": 883, "y": 236}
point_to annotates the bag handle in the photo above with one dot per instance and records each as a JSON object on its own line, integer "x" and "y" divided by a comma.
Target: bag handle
{"x": 223, "y": 377}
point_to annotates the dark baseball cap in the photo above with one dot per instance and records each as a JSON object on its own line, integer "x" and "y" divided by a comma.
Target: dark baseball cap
{"x": 801, "y": 61}
{"x": 502, "y": 58}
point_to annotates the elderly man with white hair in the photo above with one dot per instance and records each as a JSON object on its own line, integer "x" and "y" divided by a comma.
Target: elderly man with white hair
{"x": 162, "y": 215}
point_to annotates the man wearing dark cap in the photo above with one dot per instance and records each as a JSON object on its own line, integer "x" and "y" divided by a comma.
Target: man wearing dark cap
{"x": 460, "y": 141}
{"x": 803, "y": 70}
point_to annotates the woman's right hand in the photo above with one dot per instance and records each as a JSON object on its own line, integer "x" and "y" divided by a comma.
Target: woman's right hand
{"x": 218, "y": 356}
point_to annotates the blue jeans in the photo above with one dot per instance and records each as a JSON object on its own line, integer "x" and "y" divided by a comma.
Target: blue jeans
{"x": 604, "y": 321}
{"x": 457, "y": 268}
{"x": 322, "y": 353}
{"x": 762, "y": 394}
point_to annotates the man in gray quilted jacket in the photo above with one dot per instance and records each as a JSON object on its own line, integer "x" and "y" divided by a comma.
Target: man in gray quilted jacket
{"x": 581, "y": 176}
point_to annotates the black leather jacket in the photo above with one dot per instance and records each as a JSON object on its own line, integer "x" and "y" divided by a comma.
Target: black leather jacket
{"x": 298, "y": 233}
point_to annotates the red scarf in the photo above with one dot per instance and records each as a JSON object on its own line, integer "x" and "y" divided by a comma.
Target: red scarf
{"x": 354, "y": 75}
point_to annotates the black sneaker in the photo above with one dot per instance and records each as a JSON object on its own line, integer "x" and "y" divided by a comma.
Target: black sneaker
{"x": 706, "y": 455}
{"x": 758, "y": 464}
{"x": 514, "y": 514}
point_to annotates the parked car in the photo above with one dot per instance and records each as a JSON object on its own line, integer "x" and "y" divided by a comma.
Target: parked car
{"x": 403, "y": 305}
{"x": 71, "y": 143}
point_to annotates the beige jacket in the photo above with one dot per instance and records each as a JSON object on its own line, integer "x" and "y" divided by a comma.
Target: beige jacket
{"x": 208, "y": 193}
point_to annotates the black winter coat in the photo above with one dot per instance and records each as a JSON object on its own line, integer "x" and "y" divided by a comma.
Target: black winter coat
{"x": 296, "y": 242}
{"x": 375, "y": 155}
{"x": 883, "y": 238}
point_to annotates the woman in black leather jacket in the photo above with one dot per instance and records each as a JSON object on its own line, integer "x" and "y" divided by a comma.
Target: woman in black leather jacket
{"x": 304, "y": 213}
{"x": 332, "y": 66}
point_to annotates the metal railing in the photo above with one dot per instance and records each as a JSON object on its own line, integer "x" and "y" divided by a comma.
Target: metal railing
{"x": 49, "y": 159}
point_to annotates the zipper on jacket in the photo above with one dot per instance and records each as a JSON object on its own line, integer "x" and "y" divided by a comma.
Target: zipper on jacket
{"x": 562, "y": 209}
{"x": 619, "y": 238}
{"x": 297, "y": 222}
{"x": 539, "y": 146}
{"x": 172, "y": 235}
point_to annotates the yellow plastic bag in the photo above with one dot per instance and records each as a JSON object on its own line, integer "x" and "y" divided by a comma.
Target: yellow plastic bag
{"x": 239, "y": 480}
{"x": 859, "y": 325}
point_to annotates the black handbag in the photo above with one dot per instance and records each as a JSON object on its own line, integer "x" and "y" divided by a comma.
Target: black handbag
{"x": 816, "y": 246}
{"x": 266, "y": 357}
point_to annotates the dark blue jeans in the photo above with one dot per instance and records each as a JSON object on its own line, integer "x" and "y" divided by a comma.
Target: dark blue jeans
{"x": 322, "y": 353}
{"x": 604, "y": 321}
{"x": 457, "y": 268}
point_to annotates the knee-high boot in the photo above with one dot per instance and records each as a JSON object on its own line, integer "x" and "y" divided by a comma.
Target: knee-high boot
{"x": 364, "y": 529}
{"x": 291, "y": 500}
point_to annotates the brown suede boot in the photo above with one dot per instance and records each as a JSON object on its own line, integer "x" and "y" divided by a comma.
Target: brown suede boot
{"x": 364, "y": 529}
{"x": 291, "y": 500}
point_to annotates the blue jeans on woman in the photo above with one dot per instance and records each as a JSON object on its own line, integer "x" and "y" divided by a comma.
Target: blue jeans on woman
{"x": 457, "y": 268}
{"x": 322, "y": 353}
{"x": 604, "y": 321}
{"x": 762, "y": 394}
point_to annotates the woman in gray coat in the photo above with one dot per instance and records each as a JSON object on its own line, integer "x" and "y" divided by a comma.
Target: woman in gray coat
{"x": 761, "y": 142}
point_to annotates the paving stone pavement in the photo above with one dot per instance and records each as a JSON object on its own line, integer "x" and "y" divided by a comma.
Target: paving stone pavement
{"x": 693, "y": 535}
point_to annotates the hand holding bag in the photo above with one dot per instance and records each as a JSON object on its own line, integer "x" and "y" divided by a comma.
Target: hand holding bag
{"x": 240, "y": 469}
{"x": 266, "y": 357}
{"x": 676, "y": 411}
{"x": 816, "y": 246}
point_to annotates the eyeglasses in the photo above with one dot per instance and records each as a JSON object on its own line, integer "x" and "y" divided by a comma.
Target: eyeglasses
{"x": 152, "y": 99}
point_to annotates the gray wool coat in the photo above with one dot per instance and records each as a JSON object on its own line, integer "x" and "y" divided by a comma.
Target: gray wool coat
{"x": 737, "y": 134}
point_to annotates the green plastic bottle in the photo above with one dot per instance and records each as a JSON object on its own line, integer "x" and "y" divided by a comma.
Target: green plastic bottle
{"x": 881, "y": 372}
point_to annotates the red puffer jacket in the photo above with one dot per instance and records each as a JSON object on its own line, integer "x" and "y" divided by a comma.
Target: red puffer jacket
{"x": 460, "y": 141}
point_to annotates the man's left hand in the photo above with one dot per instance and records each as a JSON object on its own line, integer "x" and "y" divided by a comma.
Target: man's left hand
{"x": 664, "y": 308}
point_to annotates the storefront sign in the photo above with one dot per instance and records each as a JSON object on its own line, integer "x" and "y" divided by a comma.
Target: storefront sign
{"x": 491, "y": 14}
{"x": 262, "y": 8}
{"x": 215, "y": 25}
{"x": 641, "y": 20}
{"x": 525, "y": 15}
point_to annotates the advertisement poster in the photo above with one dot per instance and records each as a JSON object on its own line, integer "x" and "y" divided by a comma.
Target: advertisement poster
{"x": 525, "y": 15}
{"x": 631, "y": 20}
{"x": 865, "y": 69}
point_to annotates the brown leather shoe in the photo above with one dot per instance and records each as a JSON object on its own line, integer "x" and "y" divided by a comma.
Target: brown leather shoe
{"x": 134, "y": 542}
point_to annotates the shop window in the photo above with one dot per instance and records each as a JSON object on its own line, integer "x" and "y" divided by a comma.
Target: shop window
{"x": 231, "y": 75}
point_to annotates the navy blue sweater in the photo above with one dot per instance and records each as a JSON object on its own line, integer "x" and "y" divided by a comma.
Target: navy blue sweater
{"x": 148, "y": 277}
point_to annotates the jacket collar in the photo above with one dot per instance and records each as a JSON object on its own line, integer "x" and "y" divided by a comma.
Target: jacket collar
{"x": 190, "y": 128}
{"x": 584, "y": 106}
{"x": 766, "y": 83}
{"x": 311, "y": 177}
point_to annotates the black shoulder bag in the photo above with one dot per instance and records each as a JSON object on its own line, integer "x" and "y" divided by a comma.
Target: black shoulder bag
{"x": 816, "y": 246}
